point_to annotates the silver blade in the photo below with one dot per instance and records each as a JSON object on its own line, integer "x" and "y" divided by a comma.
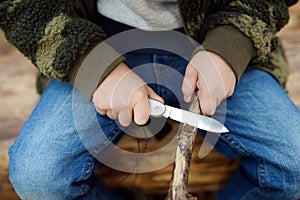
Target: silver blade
{"x": 196, "y": 120}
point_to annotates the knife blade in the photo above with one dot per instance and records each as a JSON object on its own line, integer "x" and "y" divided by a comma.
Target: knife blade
{"x": 200, "y": 121}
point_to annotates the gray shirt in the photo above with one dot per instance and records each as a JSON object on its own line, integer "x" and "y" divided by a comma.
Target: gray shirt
{"x": 152, "y": 15}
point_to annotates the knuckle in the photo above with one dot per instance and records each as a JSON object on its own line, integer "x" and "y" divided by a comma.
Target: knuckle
{"x": 140, "y": 93}
{"x": 100, "y": 104}
{"x": 190, "y": 71}
{"x": 186, "y": 86}
{"x": 138, "y": 96}
{"x": 111, "y": 115}
{"x": 230, "y": 93}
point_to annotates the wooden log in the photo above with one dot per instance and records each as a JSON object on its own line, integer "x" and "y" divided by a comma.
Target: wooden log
{"x": 179, "y": 183}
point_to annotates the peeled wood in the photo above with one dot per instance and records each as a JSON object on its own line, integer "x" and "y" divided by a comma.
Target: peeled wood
{"x": 178, "y": 189}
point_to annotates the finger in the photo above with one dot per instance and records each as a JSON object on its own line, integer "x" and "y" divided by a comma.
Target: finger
{"x": 125, "y": 117}
{"x": 189, "y": 83}
{"x": 101, "y": 104}
{"x": 153, "y": 95}
{"x": 101, "y": 112}
{"x": 110, "y": 114}
{"x": 141, "y": 111}
{"x": 207, "y": 102}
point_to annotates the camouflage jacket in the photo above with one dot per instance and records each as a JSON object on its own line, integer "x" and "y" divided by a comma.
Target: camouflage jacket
{"x": 55, "y": 38}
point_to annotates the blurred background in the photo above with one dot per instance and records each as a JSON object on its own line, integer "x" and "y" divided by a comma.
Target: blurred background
{"x": 18, "y": 95}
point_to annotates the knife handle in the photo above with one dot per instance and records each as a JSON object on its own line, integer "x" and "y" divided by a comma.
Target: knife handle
{"x": 156, "y": 108}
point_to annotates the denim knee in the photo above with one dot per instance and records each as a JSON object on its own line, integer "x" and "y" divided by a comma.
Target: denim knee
{"x": 31, "y": 179}
{"x": 292, "y": 167}
{"x": 48, "y": 160}
{"x": 49, "y": 178}
{"x": 56, "y": 175}
{"x": 283, "y": 170}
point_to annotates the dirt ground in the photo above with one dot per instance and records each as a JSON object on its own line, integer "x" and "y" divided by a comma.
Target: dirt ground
{"x": 18, "y": 95}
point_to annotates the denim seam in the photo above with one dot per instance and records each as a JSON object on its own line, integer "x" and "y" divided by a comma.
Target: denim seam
{"x": 262, "y": 175}
{"x": 89, "y": 166}
{"x": 113, "y": 134}
{"x": 109, "y": 138}
{"x": 234, "y": 144}
{"x": 262, "y": 181}
{"x": 87, "y": 171}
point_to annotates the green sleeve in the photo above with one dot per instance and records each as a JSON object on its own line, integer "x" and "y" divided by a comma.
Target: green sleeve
{"x": 232, "y": 45}
{"x": 51, "y": 35}
{"x": 259, "y": 20}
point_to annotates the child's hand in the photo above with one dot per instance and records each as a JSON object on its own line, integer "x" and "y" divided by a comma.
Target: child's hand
{"x": 124, "y": 94}
{"x": 213, "y": 78}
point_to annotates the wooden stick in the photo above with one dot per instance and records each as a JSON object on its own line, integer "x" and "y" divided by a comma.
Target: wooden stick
{"x": 178, "y": 189}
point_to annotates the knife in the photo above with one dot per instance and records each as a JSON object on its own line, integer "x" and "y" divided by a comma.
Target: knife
{"x": 158, "y": 109}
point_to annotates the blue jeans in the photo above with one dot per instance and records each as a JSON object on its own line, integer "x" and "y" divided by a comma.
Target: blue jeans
{"x": 49, "y": 161}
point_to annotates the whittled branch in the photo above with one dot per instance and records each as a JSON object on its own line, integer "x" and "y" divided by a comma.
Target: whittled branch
{"x": 178, "y": 189}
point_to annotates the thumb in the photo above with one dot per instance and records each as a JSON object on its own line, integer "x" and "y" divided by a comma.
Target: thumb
{"x": 141, "y": 111}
